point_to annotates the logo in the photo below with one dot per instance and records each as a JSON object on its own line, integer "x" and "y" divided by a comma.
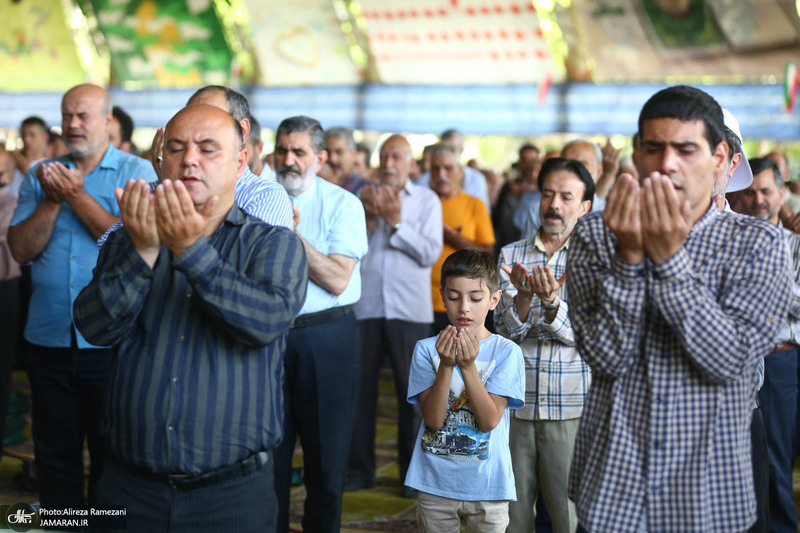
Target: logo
{"x": 21, "y": 517}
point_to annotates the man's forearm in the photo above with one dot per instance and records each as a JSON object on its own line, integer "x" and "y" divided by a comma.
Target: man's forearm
{"x": 96, "y": 219}
{"x": 328, "y": 273}
{"x": 29, "y": 238}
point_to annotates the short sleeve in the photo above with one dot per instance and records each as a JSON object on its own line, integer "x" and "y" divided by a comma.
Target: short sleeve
{"x": 423, "y": 369}
{"x": 508, "y": 377}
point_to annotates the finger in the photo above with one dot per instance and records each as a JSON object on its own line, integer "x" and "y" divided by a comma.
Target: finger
{"x": 163, "y": 214}
{"x": 185, "y": 202}
{"x": 505, "y": 268}
{"x": 118, "y": 192}
{"x": 142, "y": 200}
{"x": 173, "y": 203}
{"x": 562, "y": 279}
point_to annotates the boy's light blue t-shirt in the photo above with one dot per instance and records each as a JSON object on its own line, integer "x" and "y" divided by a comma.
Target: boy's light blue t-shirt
{"x": 459, "y": 461}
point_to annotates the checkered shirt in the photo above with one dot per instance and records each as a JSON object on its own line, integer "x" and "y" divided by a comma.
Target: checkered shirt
{"x": 556, "y": 378}
{"x": 665, "y": 433}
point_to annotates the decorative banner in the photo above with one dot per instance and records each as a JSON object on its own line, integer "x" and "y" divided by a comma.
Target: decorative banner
{"x": 629, "y": 40}
{"x": 164, "y": 44}
{"x": 37, "y": 51}
{"x": 300, "y": 43}
{"x": 456, "y": 41}
{"x": 790, "y": 82}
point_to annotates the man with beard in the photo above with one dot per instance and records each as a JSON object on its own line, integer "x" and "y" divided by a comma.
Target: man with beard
{"x": 763, "y": 199}
{"x": 533, "y": 313}
{"x": 323, "y": 355}
{"x": 64, "y": 206}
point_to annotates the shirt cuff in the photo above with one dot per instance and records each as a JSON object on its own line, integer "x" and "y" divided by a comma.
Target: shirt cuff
{"x": 673, "y": 266}
{"x": 198, "y": 260}
{"x": 624, "y": 269}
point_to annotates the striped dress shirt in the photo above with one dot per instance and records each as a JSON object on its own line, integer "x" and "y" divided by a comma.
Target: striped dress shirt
{"x": 665, "y": 433}
{"x": 556, "y": 378}
{"x": 198, "y": 342}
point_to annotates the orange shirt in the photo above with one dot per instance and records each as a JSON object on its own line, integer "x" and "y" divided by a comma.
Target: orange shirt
{"x": 471, "y": 215}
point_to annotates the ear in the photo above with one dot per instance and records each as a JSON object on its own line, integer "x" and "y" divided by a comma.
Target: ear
{"x": 245, "y": 124}
{"x": 720, "y": 156}
{"x": 586, "y": 206}
{"x": 322, "y": 158}
{"x": 494, "y": 299}
{"x": 241, "y": 161}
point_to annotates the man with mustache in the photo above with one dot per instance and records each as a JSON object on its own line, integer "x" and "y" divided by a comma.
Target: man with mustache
{"x": 64, "y": 205}
{"x": 763, "y": 199}
{"x": 323, "y": 355}
{"x": 466, "y": 221}
{"x": 404, "y": 224}
{"x": 533, "y": 313}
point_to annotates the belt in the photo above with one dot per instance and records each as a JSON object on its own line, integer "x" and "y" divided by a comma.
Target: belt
{"x": 782, "y": 347}
{"x": 312, "y": 319}
{"x": 189, "y": 482}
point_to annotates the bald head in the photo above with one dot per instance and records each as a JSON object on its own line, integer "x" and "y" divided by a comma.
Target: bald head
{"x": 395, "y": 161}
{"x": 203, "y": 149}
{"x": 86, "y": 121}
{"x": 227, "y": 99}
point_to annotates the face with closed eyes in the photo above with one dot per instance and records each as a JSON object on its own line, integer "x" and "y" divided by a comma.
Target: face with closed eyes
{"x": 468, "y": 301}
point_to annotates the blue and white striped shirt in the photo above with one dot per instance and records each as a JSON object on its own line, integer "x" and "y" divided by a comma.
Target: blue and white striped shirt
{"x": 198, "y": 343}
{"x": 665, "y": 433}
{"x": 556, "y": 377}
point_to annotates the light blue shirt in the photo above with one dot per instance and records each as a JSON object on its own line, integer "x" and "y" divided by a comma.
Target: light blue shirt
{"x": 474, "y": 184}
{"x": 332, "y": 221}
{"x": 397, "y": 269}
{"x": 460, "y": 461}
{"x": 65, "y": 265}
{"x": 263, "y": 198}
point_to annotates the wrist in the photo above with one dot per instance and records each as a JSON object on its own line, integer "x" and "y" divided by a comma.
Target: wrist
{"x": 552, "y": 304}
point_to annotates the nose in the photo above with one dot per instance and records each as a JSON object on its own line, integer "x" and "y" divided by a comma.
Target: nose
{"x": 464, "y": 304}
{"x": 190, "y": 155}
{"x": 669, "y": 161}
{"x": 70, "y": 122}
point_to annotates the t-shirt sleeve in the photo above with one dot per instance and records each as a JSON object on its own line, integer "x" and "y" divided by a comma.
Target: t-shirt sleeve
{"x": 348, "y": 236}
{"x": 423, "y": 369}
{"x": 30, "y": 196}
{"x": 508, "y": 378}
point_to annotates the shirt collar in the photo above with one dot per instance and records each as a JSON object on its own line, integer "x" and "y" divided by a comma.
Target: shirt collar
{"x": 539, "y": 243}
{"x": 110, "y": 160}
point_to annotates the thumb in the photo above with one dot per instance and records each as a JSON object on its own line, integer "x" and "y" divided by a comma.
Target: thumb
{"x": 505, "y": 268}
{"x": 562, "y": 279}
{"x": 118, "y": 194}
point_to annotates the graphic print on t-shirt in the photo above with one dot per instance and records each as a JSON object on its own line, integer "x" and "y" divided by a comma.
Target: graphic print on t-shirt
{"x": 459, "y": 439}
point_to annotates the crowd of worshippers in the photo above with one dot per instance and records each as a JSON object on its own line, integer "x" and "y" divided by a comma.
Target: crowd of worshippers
{"x": 618, "y": 335}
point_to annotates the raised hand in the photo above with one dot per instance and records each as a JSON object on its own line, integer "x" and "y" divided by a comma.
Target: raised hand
{"x": 544, "y": 284}
{"x": 468, "y": 348}
{"x": 622, "y": 215}
{"x": 157, "y": 151}
{"x": 610, "y": 158}
{"x": 520, "y": 278}
{"x": 137, "y": 211}
{"x": 446, "y": 346}
{"x": 51, "y": 193}
{"x": 390, "y": 204}
{"x": 67, "y": 182}
{"x": 179, "y": 223}
{"x": 665, "y": 219}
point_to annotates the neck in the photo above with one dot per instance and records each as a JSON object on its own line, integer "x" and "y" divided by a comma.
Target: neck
{"x": 698, "y": 213}
{"x": 88, "y": 163}
{"x": 257, "y": 167}
{"x": 773, "y": 220}
{"x": 553, "y": 241}
{"x": 214, "y": 221}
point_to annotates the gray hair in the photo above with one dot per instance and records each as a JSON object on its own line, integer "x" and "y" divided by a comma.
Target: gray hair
{"x": 236, "y": 102}
{"x": 304, "y": 124}
{"x": 342, "y": 132}
{"x": 441, "y": 148}
{"x": 598, "y": 153}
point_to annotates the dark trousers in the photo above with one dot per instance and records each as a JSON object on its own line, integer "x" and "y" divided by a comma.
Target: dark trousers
{"x": 320, "y": 395}
{"x": 9, "y": 334}
{"x": 245, "y": 503}
{"x": 760, "y": 454}
{"x": 395, "y": 338}
{"x": 68, "y": 387}
{"x": 779, "y": 406}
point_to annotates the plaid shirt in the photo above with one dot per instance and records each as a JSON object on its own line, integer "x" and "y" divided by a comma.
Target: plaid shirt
{"x": 665, "y": 433}
{"x": 556, "y": 377}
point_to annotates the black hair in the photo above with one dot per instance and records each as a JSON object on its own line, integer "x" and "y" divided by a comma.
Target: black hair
{"x": 734, "y": 144}
{"x": 760, "y": 164}
{"x": 34, "y": 121}
{"x": 687, "y": 104}
{"x": 125, "y": 123}
{"x": 554, "y": 164}
{"x": 473, "y": 264}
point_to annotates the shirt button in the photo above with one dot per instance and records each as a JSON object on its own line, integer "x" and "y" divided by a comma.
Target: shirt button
{"x": 181, "y": 338}
{"x": 658, "y": 399}
{"x": 74, "y": 232}
{"x": 174, "y": 380}
{"x": 72, "y": 285}
{"x": 171, "y": 428}
{"x": 188, "y": 294}
{"x": 72, "y": 258}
